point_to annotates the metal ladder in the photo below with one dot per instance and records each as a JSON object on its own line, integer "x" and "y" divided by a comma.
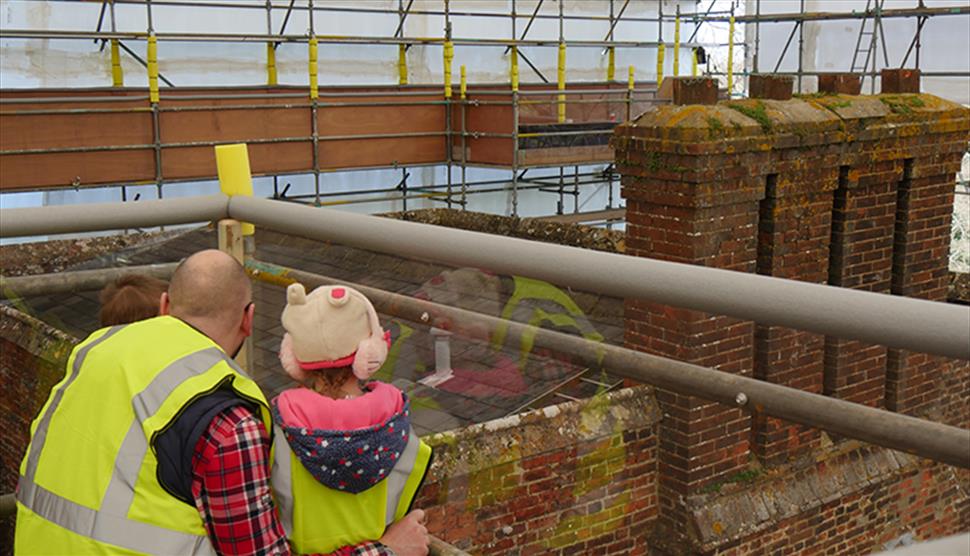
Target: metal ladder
{"x": 871, "y": 36}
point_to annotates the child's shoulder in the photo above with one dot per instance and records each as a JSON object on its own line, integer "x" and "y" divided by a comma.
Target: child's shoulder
{"x": 385, "y": 391}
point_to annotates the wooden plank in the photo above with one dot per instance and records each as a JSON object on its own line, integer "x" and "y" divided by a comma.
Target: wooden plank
{"x": 489, "y": 119}
{"x": 592, "y": 216}
{"x": 76, "y": 169}
{"x": 366, "y": 120}
{"x": 594, "y": 154}
{"x": 364, "y": 153}
{"x": 215, "y": 121}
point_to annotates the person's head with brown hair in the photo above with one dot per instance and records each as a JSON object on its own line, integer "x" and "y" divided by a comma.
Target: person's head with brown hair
{"x": 131, "y": 298}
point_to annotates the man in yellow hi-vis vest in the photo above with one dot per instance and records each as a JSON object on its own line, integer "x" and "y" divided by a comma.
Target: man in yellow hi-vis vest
{"x": 157, "y": 442}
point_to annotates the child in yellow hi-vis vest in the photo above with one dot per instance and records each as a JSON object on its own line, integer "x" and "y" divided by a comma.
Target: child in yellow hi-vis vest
{"x": 346, "y": 461}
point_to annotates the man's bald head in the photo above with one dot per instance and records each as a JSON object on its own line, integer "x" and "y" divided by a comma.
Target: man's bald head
{"x": 209, "y": 285}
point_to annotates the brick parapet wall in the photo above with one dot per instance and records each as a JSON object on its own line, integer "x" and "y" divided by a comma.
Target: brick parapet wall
{"x": 931, "y": 149}
{"x": 861, "y": 239}
{"x": 576, "y": 478}
{"x": 32, "y": 359}
{"x": 692, "y": 197}
{"x": 827, "y": 172}
{"x": 794, "y": 231}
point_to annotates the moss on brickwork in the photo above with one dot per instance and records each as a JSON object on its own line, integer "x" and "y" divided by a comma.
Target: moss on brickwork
{"x": 542, "y": 476}
{"x": 815, "y": 95}
{"x": 740, "y": 478}
{"x": 690, "y": 124}
{"x": 787, "y": 500}
{"x": 575, "y": 235}
{"x": 848, "y": 108}
{"x": 902, "y": 104}
{"x": 756, "y": 111}
{"x": 715, "y": 127}
{"x": 486, "y": 445}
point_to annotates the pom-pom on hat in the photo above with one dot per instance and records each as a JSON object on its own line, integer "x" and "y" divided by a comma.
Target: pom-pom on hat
{"x": 333, "y": 326}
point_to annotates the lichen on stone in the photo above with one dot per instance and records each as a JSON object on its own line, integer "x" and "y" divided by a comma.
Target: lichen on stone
{"x": 902, "y": 104}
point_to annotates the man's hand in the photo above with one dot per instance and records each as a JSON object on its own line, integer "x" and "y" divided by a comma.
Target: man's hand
{"x": 407, "y": 537}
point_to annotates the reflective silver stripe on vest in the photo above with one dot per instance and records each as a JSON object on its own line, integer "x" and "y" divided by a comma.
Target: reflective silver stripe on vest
{"x": 283, "y": 483}
{"x": 398, "y": 476}
{"x": 40, "y": 435}
{"x": 121, "y": 489}
{"x": 109, "y": 525}
{"x": 281, "y": 480}
{"x": 235, "y": 366}
{"x": 106, "y": 528}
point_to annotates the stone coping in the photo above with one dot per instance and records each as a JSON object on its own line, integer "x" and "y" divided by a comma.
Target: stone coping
{"x": 748, "y": 507}
{"x": 555, "y": 427}
{"x": 35, "y": 336}
{"x": 746, "y": 125}
{"x": 573, "y": 235}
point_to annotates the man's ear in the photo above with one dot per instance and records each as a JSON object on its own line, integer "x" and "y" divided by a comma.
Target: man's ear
{"x": 164, "y": 304}
{"x": 247, "y": 321}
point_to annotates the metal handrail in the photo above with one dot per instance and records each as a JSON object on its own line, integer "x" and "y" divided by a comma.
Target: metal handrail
{"x": 891, "y": 320}
{"x": 877, "y": 426}
{"x": 895, "y": 321}
{"x": 884, "y": 428}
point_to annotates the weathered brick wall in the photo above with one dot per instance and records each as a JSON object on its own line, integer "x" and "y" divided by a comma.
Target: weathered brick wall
{"x": 859, "y": 502}
{"x": 794, "y": 225}
{"x": 693, "y": 200}
{"x": 846, "y": 190}
{"x": 32, "y": 359}
{"x": 931, "y": 151}
{"x": 578, "y": 478}
{"x": 862, "y": 243}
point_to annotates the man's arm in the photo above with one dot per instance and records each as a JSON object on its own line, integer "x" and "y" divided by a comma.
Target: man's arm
{"x": 230, "y": 485}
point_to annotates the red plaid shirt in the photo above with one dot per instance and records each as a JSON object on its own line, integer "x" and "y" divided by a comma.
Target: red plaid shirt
{"x": 230, "y": 484}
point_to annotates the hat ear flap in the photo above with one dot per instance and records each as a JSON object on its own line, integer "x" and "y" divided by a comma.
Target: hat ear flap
{"x": 288, "y": 360}
{"x": 371, "y": 351}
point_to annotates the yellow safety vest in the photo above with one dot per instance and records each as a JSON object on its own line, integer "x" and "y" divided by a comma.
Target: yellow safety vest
{"x": 319, "y": 519}
{"x": 537, "y": 303}
{"x": 88, "y": 482}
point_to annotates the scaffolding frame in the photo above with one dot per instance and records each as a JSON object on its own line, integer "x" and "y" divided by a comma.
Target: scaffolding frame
{"x": 873, "y": 11}
{"x": 454, "y": 108}
{"x": 564, "y": 185}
